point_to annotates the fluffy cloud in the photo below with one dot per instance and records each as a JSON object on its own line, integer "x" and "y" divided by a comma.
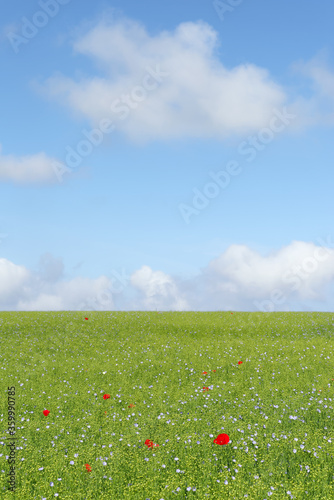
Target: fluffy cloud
{"x": 319, "y": 108}
{"x": 171, "y": 85}
{"x": 239, "y": 279}
{"x": 196, "y": 96}
{"x": 157, "y": 288}
{"x": 29, "y": 169}
{"x": 12, "y": 281}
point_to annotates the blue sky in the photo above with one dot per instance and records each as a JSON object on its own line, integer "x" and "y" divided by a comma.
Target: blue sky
{"x": 163, "y": 156}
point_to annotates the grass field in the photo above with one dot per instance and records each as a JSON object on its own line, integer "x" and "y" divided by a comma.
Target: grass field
{"x": 133, "y": 402}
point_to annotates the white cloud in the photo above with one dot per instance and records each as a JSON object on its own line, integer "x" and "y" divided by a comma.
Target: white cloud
{"x": 12, "y": 280}
{"x": 30, "y": 169}
{"x": 198, "y": 98}
{"x": 157, "y": 288}
{"x": 256, "y": 276}
{"x": 319, "y": 108}
{"x": 78, "y": 294}
{"x": 239, "y": 279}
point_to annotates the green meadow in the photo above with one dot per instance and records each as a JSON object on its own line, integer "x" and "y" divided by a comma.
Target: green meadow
{"x": 127, "y": 405}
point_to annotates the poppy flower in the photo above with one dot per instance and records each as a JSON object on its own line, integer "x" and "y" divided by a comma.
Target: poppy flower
{"x": 88, "y": 467}
{"x": 86, "y": 318}
{"x": 149, "y": 443}
{"x": 213, "y": 370}
{"x": 239, "y": 362}
{"x": 46, "y": 412}
{"x": 221, "y": 439}
{"x": 205, "y": 388}
{"x": 204, "y": 373}
{"x": 131, "y": 406}
{"x": 106, "y": 396}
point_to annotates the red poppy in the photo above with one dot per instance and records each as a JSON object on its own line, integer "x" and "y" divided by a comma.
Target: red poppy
{"x": 231, "y": 313}
{"x": 239, "y": 362}
{"x": 213, "y": 370}
{"x": 86, "y": 318}
{"x": 221, "y": 439}
{"x": 204, "y": 373}
{"x": 131, "y": 405}
{"x": 205, "y": 388}
{"x": 88, "y": 467}
{"x": 106, "y": 396}
{"x": 46, "y": 412}
{"x": 149, "y": 443}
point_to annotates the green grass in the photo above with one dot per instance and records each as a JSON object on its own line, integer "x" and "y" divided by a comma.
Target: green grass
{"x": 56, "y": 360}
